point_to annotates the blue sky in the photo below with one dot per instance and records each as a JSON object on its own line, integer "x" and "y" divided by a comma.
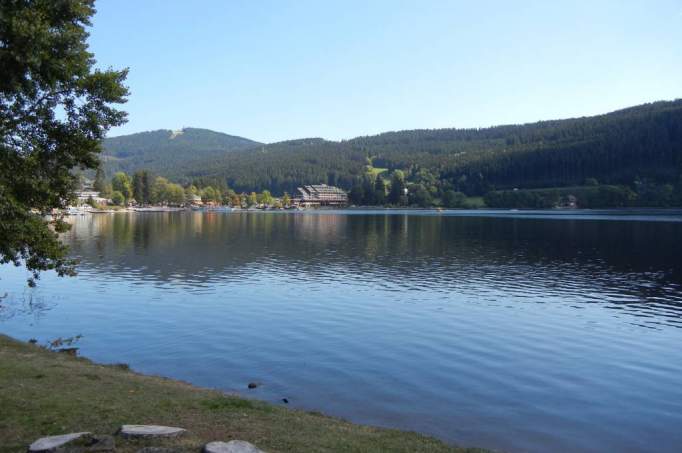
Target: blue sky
{"x": 277, "y": 70}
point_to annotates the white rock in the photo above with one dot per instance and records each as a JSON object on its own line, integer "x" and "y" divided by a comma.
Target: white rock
{"x": 233, "y": 446}
{"x": 46, "y": 444}
{"x": 149, "y": 431}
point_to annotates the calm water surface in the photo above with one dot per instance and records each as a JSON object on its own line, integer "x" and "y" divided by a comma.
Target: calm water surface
{"x": 519, "y": 331}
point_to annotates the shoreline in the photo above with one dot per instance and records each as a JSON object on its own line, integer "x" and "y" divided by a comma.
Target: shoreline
{"x": 227, "y": 209}
{"x": 48, "y": 393}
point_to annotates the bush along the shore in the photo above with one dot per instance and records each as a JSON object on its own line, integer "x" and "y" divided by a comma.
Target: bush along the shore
{"x": 599, "y": 196}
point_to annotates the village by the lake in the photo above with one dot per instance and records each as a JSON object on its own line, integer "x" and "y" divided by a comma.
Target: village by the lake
{"x": 167, "y": 197}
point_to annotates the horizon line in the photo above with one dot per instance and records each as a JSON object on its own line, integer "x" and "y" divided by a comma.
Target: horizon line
{"x": 402, "y": 130}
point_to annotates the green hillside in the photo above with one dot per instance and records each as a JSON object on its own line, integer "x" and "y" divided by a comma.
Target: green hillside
{"x": 638, "y": 147}
{"x": 164, "y": 151}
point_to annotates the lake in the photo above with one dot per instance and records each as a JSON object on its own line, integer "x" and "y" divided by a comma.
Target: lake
{"x": 519, "y": 331}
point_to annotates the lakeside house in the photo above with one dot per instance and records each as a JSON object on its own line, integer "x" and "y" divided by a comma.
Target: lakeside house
{"x": 84, "y": 195}
{"x": 320, "y": 195}
{"x": 195, "y": 200}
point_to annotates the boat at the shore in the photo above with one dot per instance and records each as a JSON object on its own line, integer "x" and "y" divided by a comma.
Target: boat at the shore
{"x": 74, "y": 211}
{"x": 157, "y": 209}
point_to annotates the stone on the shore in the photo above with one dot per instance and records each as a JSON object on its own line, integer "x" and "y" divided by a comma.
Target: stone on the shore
{"x": 233, "y": 446}
{"x": 52, "y": 443}
{"x": 150, "y": 431}
{"x": 158, "y": 450}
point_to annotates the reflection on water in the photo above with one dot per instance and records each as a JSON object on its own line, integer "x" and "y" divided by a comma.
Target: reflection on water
{"x": 519, "y": 331}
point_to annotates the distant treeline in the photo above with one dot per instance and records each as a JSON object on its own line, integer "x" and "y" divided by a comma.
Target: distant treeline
{"x": 595, "y": 196}
{"x": 636, "y": 152}
{"x": 144, "y": 189}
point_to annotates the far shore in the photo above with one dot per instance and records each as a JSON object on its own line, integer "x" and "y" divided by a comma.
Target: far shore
{"x": 155, "y": 209}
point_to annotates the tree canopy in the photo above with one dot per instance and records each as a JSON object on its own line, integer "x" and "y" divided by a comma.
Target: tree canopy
{"x": 55, "y": 109}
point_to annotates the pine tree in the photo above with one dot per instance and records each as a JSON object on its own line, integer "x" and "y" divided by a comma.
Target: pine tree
{"x": 397, "y": 194}
{"x": 139, "y": 188}
{"x": 380, "y": 190}
{"x": 100, "y": 183}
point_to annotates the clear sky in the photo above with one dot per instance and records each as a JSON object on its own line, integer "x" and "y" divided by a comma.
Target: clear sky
{"x": 277, "y": 70}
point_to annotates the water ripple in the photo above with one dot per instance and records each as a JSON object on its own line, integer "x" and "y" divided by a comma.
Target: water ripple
{"x": 521, "y": 332}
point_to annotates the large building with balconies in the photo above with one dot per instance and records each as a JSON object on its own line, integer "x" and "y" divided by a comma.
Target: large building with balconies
{"x": 321, "y": 195}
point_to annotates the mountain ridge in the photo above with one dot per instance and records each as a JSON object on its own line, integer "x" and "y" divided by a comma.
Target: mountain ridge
{"x": 162, "y": 148}
{"x": 619, "y": 147}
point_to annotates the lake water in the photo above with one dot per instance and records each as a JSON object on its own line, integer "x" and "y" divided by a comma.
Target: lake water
{"x": 519, "y": 331}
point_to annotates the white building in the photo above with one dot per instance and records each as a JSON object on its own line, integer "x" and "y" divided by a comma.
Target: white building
{"x": 84, "y": 195}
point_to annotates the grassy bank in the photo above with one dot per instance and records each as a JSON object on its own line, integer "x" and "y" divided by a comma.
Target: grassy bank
{"x": 47, "y": 393}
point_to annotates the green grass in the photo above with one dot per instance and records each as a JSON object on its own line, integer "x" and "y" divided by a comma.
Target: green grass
{"x": 474, "y": 203}
{"x": 375, "y": 171}
{"x": 46, "y": 393}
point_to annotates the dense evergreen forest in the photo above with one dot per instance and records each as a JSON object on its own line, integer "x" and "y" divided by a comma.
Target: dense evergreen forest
{"x": 633, "y": 156}
{"x": 166, "y": 151}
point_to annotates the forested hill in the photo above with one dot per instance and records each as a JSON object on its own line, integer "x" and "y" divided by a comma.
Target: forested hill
{"x": 165, "y": 151}
{"x": 643, "y": 142}
{"x": 637, "y": 145}
{"x": 615, "y": 148}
